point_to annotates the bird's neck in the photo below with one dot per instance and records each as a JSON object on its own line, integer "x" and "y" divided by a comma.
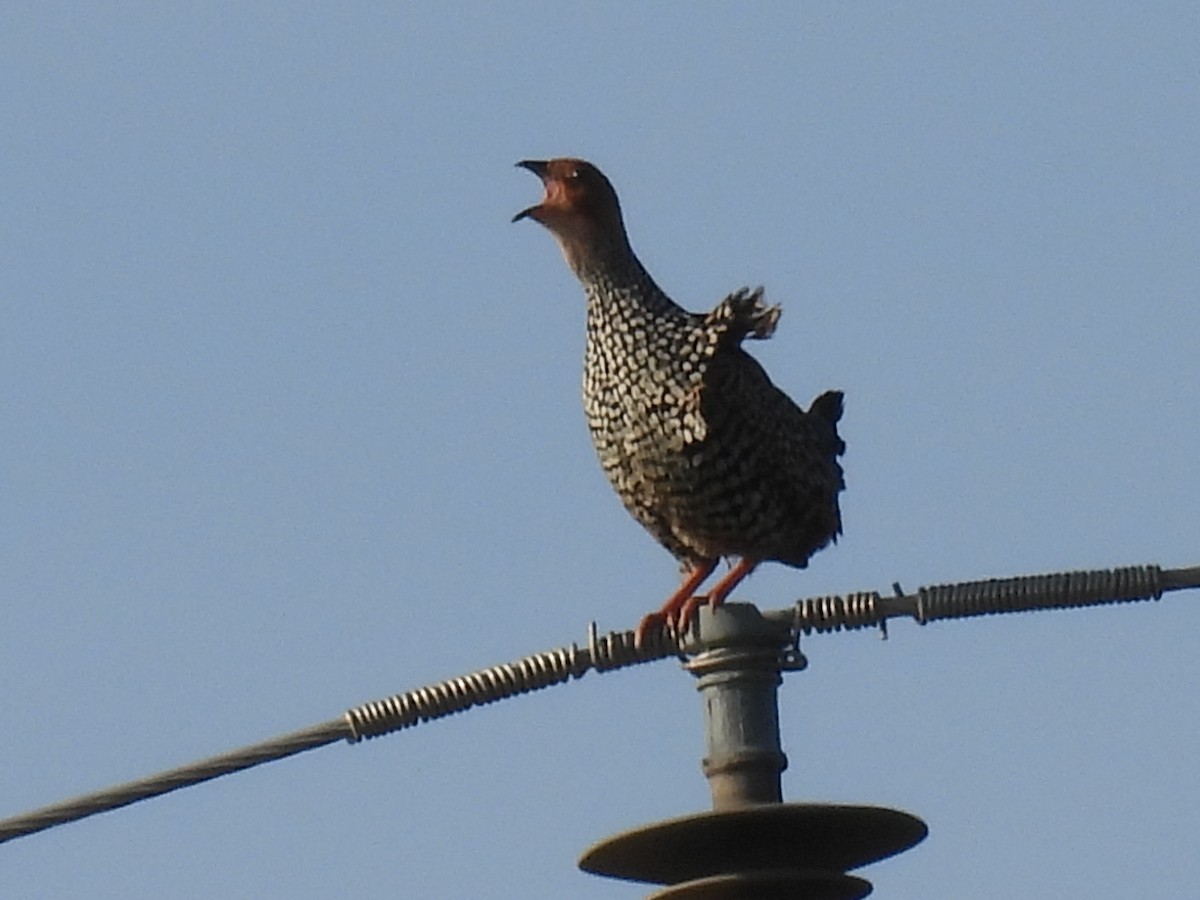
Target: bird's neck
{"x": 619, "y": 286}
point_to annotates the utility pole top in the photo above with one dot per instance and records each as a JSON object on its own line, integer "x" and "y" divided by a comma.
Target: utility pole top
{"x": 751, "y": 846}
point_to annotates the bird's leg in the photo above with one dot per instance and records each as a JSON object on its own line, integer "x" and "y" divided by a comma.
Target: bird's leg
{"x": 669, "y": 613}
{"x": 720, "y": 591}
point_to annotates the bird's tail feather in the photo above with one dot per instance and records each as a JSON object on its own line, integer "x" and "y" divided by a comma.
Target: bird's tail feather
{"x": 828, "y": 407}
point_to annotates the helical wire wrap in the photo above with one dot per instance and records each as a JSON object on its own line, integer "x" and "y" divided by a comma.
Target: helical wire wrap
{"x": 616, "y": 650}
{"x": 1062, "y": 590}
{"x": 1025, "y": 593}
{"x": 824, "y": 615}
{"x": 530, "y": 673}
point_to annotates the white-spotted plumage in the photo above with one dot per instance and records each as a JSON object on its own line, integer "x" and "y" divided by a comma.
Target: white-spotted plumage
{"x": 703, "y": 450}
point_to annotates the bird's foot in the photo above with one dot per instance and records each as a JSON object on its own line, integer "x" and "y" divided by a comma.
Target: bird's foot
{"x": 668, "y": 618}
{"x": 670, "y": 622}
{"x": 689, "y": 611}
{"x": 655, "y": 623}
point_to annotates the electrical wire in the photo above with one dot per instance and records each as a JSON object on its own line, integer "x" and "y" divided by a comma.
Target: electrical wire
{"x": 617, "y": 650}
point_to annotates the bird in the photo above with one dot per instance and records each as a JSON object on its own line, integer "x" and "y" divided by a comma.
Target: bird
{"x": 704, "y": 451}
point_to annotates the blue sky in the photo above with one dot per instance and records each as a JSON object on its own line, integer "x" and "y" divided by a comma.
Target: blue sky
{"x": 292, "y": 422}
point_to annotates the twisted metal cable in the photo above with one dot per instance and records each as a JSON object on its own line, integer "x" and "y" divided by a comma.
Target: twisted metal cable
{"x": 1025, "y": 593}
{"x": 173, "y": 779}
{"x": 531, "y": 673}
{"x": 616, "y": 650}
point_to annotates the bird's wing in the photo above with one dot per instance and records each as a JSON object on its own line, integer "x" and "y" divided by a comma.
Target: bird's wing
{"x": 783, "y": 450}
{"x": 742, "y": 315}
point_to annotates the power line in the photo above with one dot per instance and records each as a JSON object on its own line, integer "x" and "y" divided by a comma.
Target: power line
{"x": 617, "y": 650}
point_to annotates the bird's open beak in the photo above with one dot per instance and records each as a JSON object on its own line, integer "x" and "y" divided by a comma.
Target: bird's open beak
{"x": 540, "y": 168}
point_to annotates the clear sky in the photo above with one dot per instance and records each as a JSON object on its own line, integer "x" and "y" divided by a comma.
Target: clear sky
{"x": 291, "y": 421}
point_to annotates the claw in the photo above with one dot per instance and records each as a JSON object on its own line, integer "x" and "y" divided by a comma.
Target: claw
{"x": 669, "y": 615}
{"x": 689, "y": 611}
{"x": 651, "y": 623}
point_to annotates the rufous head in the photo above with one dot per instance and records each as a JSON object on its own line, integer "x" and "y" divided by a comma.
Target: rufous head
{"x": 580, "y": 209}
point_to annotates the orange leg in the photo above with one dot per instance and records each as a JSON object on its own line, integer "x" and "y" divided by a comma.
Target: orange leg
{"x": 669, "y": 613}
{"x": 723, "y": 589}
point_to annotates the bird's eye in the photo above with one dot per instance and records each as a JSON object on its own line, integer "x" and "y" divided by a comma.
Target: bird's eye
{"x": 573, "y": 174}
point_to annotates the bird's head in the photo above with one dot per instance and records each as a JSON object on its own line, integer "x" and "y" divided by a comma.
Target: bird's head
{"x": 580, "y": 209}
